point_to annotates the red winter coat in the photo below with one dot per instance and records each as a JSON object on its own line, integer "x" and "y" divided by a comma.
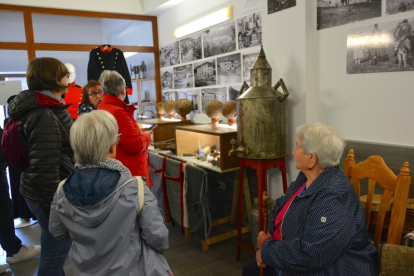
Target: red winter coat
{"x": 74, "y": 98}
{"x": 133, "y": 145}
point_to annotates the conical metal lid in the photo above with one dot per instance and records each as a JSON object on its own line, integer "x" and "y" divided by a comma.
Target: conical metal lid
{"x": 261, "y": 61}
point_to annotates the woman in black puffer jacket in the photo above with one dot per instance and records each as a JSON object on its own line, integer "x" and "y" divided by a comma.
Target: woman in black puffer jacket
{"x": 44, "y": 126}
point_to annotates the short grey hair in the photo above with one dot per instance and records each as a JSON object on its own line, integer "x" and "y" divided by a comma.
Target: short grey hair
{"x": 322, "y": 140}
{"x": 92, "y": 135}
{"x": 112, "y": 82}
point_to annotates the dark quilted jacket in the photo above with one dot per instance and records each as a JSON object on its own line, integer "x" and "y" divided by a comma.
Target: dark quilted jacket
{"x": 50, "y": 155}
{"x": 323, "y": 231}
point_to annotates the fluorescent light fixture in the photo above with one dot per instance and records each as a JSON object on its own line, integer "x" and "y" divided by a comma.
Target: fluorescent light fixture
{"x": 130, "y": 54}
{"x": 205, "y": 22}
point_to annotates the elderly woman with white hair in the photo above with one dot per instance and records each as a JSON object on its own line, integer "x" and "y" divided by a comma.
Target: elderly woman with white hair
{"x": 318, "y": 226}
{"x": 132, "y": 148}
{"x": 113, "y": 220}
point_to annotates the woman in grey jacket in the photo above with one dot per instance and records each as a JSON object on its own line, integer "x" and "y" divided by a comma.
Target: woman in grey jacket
{"x": 97, "y": 208}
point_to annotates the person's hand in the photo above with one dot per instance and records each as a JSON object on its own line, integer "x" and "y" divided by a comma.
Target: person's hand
{"x": 261, "y": 237}
{"x": 259, "y": 261}
{"x": 150, "y": 132}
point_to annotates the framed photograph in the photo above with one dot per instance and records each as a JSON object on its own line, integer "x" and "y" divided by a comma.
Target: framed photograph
{"x": 193, "y": 96}
{"x": 208, "y": 94}
{"x": 381, "y": 47}
{"x": 219, "y": 40}
{"x": 183, "y": 76}
{"x": 169, "y": 54}
{"x": 205, "y": 73}
{"x": 279, "y": 5}
{"x": 169, "y": 96}
{"x": 249, "y": 30}
{"x": 397, "y": 6}
{"x": 233, "y": 92}
{"x": 334, "y": 13}
{"x": 167, "y": 79}
{"x": 248, "y": 61}
{"x": 229, "y": 69}
{"x": 190, "y": 48}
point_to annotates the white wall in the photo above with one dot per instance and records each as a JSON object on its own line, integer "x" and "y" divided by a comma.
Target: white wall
{"x": 118, "y": 6}
{"x": 375, "y": 107}
{"x": 285, "y": 44}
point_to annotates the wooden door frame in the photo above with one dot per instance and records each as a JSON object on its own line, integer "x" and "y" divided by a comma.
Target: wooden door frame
{"x": 31, "y": 47}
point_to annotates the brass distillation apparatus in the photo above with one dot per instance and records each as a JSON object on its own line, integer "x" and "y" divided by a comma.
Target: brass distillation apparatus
{"x": 261, "y": 115}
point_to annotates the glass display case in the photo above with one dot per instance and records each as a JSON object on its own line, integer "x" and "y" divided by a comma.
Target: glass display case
{"x": 207, "y": 144}
{"x": 165, "y": 127}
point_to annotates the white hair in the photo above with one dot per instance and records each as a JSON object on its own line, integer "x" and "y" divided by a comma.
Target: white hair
{"x": 92, "y": 135}
{"x": 322, "y": 140}
{"x": 112, "y": 82}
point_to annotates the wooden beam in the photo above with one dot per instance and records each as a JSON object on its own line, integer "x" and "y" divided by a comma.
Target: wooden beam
{"x": 78, "y": 13}
{"x": 156, "y": 61}
{"x": 28, "y": 29}
{"x": 88, "y": 47}
{"x": 14, "y": 45}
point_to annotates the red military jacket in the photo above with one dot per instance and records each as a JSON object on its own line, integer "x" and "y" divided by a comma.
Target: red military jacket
{"x": 133, "y": 145}
{"x": 74, "y": 98}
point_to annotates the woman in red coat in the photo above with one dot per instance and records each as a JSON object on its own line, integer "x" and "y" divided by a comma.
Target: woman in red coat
{"x": 133, "y": 145}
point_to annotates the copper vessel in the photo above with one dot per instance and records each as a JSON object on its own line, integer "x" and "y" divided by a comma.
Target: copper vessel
{"x": 262, "y": 114}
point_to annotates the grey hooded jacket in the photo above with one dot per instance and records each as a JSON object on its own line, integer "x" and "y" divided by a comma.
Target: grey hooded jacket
{"x": 101, "y": 219}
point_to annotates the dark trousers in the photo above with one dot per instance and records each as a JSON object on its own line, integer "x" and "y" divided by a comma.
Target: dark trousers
{"x": 251, "y": 269}
{"x": 8, "y": 239}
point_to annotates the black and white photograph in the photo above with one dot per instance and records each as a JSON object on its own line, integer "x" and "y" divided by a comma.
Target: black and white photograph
{"x": 381, "y": 47}
{"x": 332, "y": 13}
{"x": 169, "y": 54}
{"x": 183, "y": 76}
{"x": 169, "y": 96}
{"x": 219, "y": 40}
{"x": 397, "y": 6}
{"x": 166, "y": 79}
{"x": 190, "y": 48}
{"x": 279, "y": 5}
{"x": 205, "y": 73}
{"x": 233, "y": 92}
{"x": 248, "y": 61}
{"x": 193, "y": 96}
{"x": 208, "y": 94}
{"x": 249, "y": 30}
{"x": 229, "y": 69}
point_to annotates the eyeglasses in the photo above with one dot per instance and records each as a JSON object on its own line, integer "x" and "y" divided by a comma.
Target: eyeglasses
{"x": 67, "y": 75}
{"x": 95, "y": 94}
{"x": 118, "y": 138}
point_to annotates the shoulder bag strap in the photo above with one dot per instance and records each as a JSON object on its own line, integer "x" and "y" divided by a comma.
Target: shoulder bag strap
{"x": 60, "y": 186}
{"x": 140, "y": 194}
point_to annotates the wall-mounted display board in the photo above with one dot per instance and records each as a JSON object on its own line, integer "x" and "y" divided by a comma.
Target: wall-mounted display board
{"x": 381, "y": 47}
{"x": 333, "y": 13}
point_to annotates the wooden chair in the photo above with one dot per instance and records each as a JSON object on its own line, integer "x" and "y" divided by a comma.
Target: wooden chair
{"x": 375, "y": 169}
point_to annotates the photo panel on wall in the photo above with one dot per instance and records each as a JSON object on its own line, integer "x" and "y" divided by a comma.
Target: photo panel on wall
{"x": 280, "y": 5}
{"x": 229, "y": 69}
{"x": 190, "y": 48}
{"x": 193, "y": 96}
{"x": 219, "y": 40}
{"x": 397, "y": 6}
{"x": 249, "y": 30}
{"x": 205, "y": 73}
{"x": 167, "y": 79}
{"x": 170, "y": 54}
{"x": 381, "y": 47}
{"x": 334, "y": 13}
{"x": 169, "y": 96}
{"x": 208, "y": 94}
{"x": 248, "y": 60}
{"x": 183, "y": 76}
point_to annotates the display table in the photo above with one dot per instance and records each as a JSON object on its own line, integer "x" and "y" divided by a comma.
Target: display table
{"x": 231, "y": 219}
{"x": 165, "y": 127}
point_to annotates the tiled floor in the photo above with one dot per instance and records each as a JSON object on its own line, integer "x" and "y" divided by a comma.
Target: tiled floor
{"x": 185, "y": 256}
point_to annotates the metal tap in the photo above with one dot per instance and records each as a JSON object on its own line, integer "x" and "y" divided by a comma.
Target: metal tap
{"x": 233, "y": 147}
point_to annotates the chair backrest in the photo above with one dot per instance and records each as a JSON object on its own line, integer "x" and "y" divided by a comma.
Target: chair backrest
{"x": 375, "y": 169}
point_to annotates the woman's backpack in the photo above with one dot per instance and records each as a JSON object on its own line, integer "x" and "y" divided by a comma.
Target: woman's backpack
{"x": 12, "y": 148}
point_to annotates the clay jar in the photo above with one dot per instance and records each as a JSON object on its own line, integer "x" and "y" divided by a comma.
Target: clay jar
{"x": 160, "y": 107}
{"x": 230, "y": 112}
{"x": 183, "y": 107}
{"x": 213, "y": 110}
{"x": 170, "y": 108}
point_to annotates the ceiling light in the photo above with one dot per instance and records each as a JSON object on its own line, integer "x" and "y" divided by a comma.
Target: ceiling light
{"x": 205, "y": 22}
